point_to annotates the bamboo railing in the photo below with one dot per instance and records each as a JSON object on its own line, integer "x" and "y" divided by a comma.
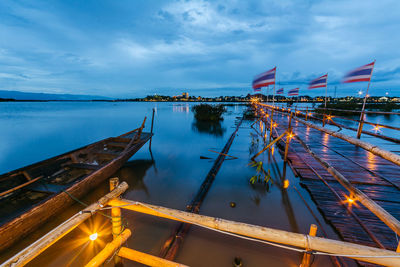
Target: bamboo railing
{"x": 307, "y": 113}
{"x": 356, "y": 194}
{"x": 287, "y": 240}
{"x": 306, "y": 242}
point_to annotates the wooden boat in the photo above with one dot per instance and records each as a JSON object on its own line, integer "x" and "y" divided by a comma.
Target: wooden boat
{"x": 31, "y": 195}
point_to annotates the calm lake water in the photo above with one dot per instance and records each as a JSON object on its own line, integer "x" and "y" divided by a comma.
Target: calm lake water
{"x": 31, "y": 132}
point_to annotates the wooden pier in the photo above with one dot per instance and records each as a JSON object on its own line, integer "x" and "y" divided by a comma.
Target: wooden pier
{"x": 374, "y": 176}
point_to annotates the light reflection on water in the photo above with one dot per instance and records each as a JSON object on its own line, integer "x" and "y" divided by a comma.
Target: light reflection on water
{"x": 171, "y": 180}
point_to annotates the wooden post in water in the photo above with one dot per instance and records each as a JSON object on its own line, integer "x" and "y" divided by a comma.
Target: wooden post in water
{"x": 323, "y": 120}
{"x": 306, "y": 258}
{"x": 116, "y": 220}
{"x": 151, "y": 131}
{"x": 306, "y": 112}
{"x": 288, "y": 136}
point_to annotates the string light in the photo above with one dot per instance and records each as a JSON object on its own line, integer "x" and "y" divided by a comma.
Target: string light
{"x": 377, "y": 127}
{"x": 286, "y": 184}
{"x": 93, "y": 237}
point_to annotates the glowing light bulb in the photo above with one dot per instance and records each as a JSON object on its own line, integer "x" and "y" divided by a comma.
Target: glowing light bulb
{"x": 360, "y": 92}
{"x": 93, "y": 237}
{"x": 376, "y": 128}
{"x": 274, "y": 125}
{"x": 286, "y": 184}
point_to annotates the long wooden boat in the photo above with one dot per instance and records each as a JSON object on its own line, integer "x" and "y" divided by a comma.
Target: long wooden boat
{"x": 31, "y": 195}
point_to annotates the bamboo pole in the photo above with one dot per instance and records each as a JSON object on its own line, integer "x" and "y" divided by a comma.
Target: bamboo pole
{"x": 116, "y": 220}
{"x": 269, "y": 145}
{"x": 351, "y": 250}
{"x": 326, "y": 89}
{"x": 361, "y": 123}
{"x": 306, "y": 258}
{"x": 357, "y": 194}
{"x": 306, "y": 113}
{"x": 146, "y": 259}
{"x": 26, "y": 255}
{"x": 151, "y": 130}
{"x": 392, "y": 157}
{"x": 109, "y": 249}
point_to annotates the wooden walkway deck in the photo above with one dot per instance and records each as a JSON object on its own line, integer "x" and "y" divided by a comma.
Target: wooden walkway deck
{"x": 378, "y": 178}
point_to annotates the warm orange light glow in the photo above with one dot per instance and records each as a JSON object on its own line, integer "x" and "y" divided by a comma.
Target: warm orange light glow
{"x": 286, "y": 184}
{"x": 290, "y": 135}
{"x": 274, "y": 124}
{"x": 93, "y": 237}
{"x": 377, "y": 128}
{"x": 329, "y": 117}
{"x": 351, "y": 200}
{"x": 310, "y": 114}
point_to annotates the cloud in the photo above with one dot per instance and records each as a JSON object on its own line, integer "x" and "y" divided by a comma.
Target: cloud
{"x": 132, "y": 48}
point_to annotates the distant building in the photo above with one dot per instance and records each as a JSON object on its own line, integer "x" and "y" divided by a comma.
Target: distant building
{"x": 185, "y": 95}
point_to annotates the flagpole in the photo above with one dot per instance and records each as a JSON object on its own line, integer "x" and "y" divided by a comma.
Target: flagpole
{"x": 326, "y": 89}
{"x": 360, "y": 124}
{"x": 273, "y": 96}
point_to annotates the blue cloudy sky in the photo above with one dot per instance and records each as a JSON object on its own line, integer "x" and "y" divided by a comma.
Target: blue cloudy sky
{"x": 210, "y": 48}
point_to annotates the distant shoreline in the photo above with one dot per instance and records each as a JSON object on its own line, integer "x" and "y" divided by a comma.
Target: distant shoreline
{"x": 180, "y": 101}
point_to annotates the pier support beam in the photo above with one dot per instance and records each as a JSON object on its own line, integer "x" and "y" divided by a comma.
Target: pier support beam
{"x": 306, "y": 258}
{"x": 116, "y": 220}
